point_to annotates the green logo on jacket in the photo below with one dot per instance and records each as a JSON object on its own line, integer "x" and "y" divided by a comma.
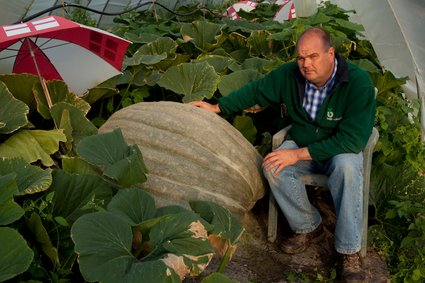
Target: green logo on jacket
{"x": 330, "y": 115}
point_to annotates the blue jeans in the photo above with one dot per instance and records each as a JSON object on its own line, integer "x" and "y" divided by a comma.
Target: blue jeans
{"x": 345, "y": 182}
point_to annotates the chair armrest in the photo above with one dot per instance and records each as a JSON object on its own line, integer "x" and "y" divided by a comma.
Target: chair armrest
{"x": 279, "y": 137}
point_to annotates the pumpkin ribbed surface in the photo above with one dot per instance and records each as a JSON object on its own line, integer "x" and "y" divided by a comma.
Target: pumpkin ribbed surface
{"x": 191, "y": 154}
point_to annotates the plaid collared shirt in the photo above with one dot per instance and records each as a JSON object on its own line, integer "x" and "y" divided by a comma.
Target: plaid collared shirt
{"x": 315, "y": 96}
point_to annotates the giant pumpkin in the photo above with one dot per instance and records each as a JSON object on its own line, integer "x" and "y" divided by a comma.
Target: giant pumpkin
{"x": 191, "y": 154}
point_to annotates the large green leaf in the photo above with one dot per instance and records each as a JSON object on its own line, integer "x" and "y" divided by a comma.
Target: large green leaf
{"x": 243, "y": 25}
{"x": 13, "y": 112}
{"x": 77, "y": 165}
{"x": 283, "y": 35}
{"x": 319, "y": 18}
{"x": 236, "y": 80}
{"x": 153, "y": 52}
{"x": 168, "y": 63}
{"x": 219, "y": 62}
{"x": 237, "y": 40}
{"x": 120, "y": 162}
{"x": 260, "y": 64}
{"x": 130, "y": 170}
{"x": 104, "y": 241}
{"x": 142, "y": 37}
{"x": 223, "y": 222}
{"x": 134, "y": 206}
{"x": 259, "y": 44}
{"x": 151, "y": 272}
{"x": 245, "y": 125}
{"x": 33, "y": 145}
{"x": 97, "y": 93}
{"x": 75, "y": 194}
{"x": 103, "y": 149}
{"x": 103, "y": 90}
{"x": 42, "y": 237}
{"x": 73, "y": 121}
{"x": 30, "y": 179}
{"x": 193, "y": 80}
{"x": 176, "y": 234}
{"x": 21, "y": 85}
{"x": 10, "y": 211}
{"x": 386, "y": 82}
{"x": 205, "y": 35}
{"x": 366, "y": 65}
{"x": 349, "y": 25}
{"x": 15, "y": 255}
{"x": 59, "y": 92}
{"x": 63, "y": 121}
{"x": 175, "y": 227}
{"x": 142, "y": 76}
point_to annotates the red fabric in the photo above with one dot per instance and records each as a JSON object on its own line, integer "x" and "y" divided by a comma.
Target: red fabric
{"x": 104, "y": 45}
{"x": 24, "y": 62}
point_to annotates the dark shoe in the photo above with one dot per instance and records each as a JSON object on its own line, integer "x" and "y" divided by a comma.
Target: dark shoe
{"x": 352, "y": 271}
{"x": 300, "y": 242}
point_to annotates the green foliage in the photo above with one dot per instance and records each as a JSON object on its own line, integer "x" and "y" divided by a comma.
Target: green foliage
{"x": 57, "y": 173}
{"x": 119, "y": 162}
{"x": 13, "y": 113}
{"x": 132, "y": 238}
{"x": 62, "y": 175}
{"x": 39, "y": 200}
{"x": 10, "y": 211}
{"x": 224, "y": 226}
{"x": 33, "y": 145}
{"x": 194, "y": 81}
{"x": 15, "y": 255}
{"x": 30, "y": 179}
{"x": 399, "y": 126}
{"x": 397, "y": 181}
{"x": 105, "y": 245}
{"x": 81, "y": 16}
{"x": 401, "y": 237}
{"x": 166, "y": 55}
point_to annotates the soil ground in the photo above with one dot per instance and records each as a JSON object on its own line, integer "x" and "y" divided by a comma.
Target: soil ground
{"x": 259, "y": 261}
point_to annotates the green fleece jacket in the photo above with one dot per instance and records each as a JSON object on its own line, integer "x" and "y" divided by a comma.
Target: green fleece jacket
{"x": 346, "y": 117}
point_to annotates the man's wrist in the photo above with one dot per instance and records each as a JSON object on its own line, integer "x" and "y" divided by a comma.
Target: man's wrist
{"x": 303, "y": 154}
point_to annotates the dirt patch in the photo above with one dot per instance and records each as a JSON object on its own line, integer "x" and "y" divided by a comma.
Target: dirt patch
{"x": 257, "y": 260}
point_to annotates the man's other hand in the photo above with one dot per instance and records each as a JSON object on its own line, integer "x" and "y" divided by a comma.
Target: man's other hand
{"x": 205, "y": 105}
{"x": 282, "y": 158}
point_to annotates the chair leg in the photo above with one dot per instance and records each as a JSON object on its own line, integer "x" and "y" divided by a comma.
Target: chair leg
{"x": 272, "y": 221}
{"x": 363, "y": 249}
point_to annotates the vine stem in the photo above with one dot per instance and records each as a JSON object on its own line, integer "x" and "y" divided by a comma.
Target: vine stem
{"x": 225, "y": 259}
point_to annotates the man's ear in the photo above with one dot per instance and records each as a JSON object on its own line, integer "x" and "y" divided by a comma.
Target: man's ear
{"x": 331, "y": 51}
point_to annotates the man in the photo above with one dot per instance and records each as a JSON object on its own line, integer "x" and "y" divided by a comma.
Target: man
{"x": 331, "y": 103}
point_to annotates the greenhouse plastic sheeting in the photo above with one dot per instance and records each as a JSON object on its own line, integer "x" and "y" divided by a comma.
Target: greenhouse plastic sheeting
{"x": 395, "y": 29}
{"x": 16, "y": 10}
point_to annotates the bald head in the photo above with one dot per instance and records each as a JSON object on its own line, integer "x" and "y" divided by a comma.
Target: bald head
{"x": 317, "y": 33}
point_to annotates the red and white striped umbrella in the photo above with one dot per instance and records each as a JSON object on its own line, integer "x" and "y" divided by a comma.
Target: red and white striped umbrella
{"x": 55, "y": 48}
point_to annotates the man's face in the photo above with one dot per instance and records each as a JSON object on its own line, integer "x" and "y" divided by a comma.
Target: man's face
{"x": 314, "y": 61}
